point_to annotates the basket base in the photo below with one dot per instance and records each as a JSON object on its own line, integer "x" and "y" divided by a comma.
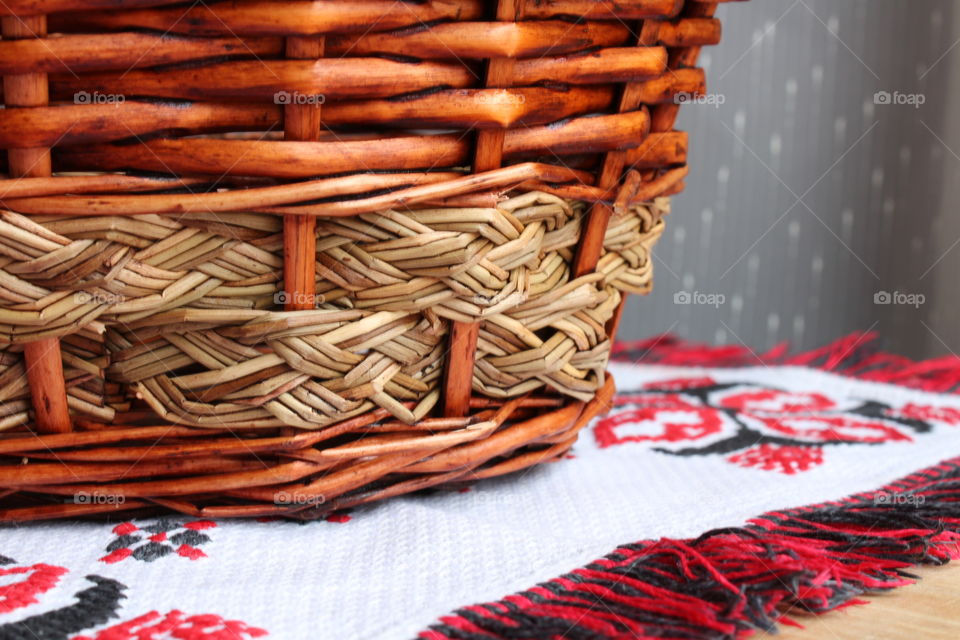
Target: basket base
{"x": 101, "y": 470}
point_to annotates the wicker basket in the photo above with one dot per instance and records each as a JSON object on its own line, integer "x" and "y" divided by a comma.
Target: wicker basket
{"x": 284, "y": 257}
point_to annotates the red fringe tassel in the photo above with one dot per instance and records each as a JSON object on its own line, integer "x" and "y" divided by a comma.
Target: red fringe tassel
{"x": 730, "y": 582}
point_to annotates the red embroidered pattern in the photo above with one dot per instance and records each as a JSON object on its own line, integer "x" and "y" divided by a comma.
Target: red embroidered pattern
{"x": 833, "y": 429}
{"x": 757, "y": 426}
{"x": 179, "y": 626}
{"x": 776, "y": 401}
{"x": 948, "y": 415}
{"x": 785, "y": 459}
{"x": 34, "y": 580}
{"x": 659, "y": 424}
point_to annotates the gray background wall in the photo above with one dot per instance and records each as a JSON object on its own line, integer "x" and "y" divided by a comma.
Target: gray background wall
{"x": 806, "y": 197}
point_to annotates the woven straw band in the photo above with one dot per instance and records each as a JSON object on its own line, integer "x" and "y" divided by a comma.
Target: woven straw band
{"x": 182, "y": 307}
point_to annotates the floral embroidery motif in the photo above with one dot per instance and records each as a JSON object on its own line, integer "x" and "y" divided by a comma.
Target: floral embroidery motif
{"x": 161, "y": 538}
{"x": 757, "y": 426}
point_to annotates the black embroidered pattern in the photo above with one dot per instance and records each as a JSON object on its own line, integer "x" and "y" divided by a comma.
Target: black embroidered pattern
{"x": 158, "y": 539}
{"x": 94, "y": 606}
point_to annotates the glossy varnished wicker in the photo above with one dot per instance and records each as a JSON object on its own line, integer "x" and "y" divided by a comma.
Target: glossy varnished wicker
{"x": 285, "y": 257}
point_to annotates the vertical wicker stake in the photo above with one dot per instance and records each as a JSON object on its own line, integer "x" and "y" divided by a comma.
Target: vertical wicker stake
{"x": 458, "y": 384}
{"x": 301, "y": 121}
{"x": 649, "y": 34}
{"x": 591, "y": 245}
{"x": 43, "y": 362}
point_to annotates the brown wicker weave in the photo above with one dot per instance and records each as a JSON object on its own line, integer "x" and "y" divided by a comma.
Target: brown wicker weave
{"x": 280, "y": 258}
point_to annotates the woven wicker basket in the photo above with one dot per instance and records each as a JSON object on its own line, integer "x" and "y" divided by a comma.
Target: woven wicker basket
{"x": 284, "y": 257}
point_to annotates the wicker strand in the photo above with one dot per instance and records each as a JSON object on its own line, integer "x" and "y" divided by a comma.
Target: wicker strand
{"x": 256, "y": 313}
{"x": 174, "y": 296}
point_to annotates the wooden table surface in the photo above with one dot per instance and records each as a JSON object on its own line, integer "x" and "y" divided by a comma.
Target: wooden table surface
{"x": 927, "y": 610}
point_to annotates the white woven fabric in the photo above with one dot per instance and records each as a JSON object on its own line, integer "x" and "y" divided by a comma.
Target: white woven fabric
{"x": 391, "y": 569}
